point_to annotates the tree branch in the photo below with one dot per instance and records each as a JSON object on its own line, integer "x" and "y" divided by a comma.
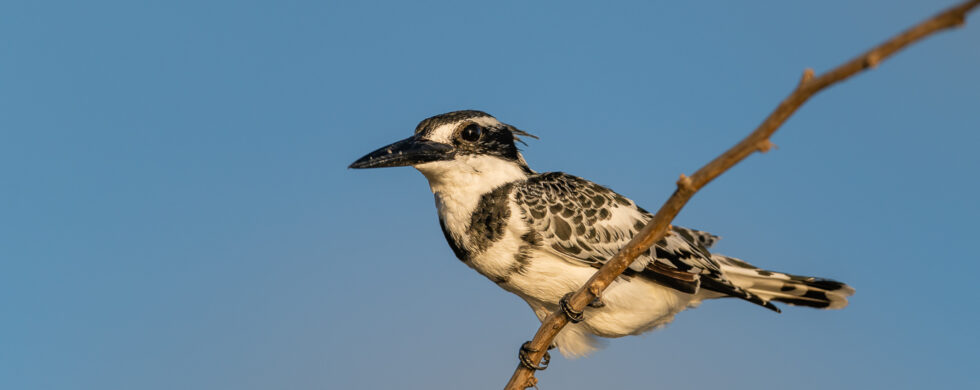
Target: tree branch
{"x": 758, "y": 140}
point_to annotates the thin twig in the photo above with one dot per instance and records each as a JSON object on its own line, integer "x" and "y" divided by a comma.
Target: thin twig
{"x": 758, "y": 140}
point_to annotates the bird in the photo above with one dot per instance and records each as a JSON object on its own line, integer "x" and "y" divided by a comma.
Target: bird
{"x": 541, "y": 236}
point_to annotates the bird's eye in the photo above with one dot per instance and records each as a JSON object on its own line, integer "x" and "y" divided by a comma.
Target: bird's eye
{"x": 471, "y": 133}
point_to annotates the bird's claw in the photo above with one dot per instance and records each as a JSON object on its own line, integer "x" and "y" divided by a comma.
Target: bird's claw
{"x": 597, "y": 303}
{"x": 573, "y": 315}
{"x": 524, "y": 356}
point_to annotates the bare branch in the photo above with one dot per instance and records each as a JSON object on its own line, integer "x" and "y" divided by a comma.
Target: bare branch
{"x": 758, "y": 140}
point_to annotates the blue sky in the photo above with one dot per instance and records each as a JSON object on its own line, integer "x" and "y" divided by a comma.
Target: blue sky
{"x": 176, "y": 212}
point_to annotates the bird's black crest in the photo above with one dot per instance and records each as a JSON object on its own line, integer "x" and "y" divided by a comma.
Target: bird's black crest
{"x": 433, "y": 122}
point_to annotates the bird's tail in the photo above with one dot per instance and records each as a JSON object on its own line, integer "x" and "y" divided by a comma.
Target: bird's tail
{"x": 786, "y": 288}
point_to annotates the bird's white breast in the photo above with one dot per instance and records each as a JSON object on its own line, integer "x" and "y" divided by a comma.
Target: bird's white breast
{"x": 458, "y": 186}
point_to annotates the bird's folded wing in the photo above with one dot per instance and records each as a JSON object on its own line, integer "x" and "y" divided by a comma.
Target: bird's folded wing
{"x": 585, "y": 222}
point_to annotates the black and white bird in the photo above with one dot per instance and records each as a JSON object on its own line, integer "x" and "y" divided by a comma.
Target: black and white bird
{"x": 542, "y": 235}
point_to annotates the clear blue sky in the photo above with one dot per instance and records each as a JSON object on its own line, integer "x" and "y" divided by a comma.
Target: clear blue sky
{"x": 176, "y": 212}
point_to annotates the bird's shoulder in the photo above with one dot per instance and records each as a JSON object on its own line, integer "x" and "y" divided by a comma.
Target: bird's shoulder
{"x": 556, "y": 189}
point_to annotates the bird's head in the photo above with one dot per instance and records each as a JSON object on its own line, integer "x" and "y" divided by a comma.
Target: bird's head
{"x": 468, "y": 141}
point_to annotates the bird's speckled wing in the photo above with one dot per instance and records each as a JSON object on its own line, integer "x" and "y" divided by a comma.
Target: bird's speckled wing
{"x": 583, "y": 221}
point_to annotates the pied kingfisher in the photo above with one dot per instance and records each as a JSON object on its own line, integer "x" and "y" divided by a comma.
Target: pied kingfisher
{"x": 542, "y": 235}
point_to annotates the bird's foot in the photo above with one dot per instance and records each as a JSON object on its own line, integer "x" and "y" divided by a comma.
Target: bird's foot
{"x": 597, "y": 302}
{"x": 524, "y": 356}
{"x": 573, "y": 315}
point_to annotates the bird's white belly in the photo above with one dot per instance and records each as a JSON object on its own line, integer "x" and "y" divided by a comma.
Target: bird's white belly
{"x": 631, "y": 305}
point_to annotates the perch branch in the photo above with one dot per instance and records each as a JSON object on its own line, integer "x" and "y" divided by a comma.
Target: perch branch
{"x": 758, "y": 140}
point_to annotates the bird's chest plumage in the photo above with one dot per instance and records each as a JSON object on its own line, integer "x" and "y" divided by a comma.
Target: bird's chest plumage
{"x": 485, "y": 232}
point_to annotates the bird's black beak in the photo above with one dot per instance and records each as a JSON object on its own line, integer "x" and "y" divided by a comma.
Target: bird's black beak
{"x": 410, "y": 151}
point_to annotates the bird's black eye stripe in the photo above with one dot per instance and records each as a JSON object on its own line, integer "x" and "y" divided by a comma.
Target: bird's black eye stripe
{"x": 471, "y": 133}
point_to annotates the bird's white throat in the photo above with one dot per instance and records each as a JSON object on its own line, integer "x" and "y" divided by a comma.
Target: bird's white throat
{"x": 458, "y": 184}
